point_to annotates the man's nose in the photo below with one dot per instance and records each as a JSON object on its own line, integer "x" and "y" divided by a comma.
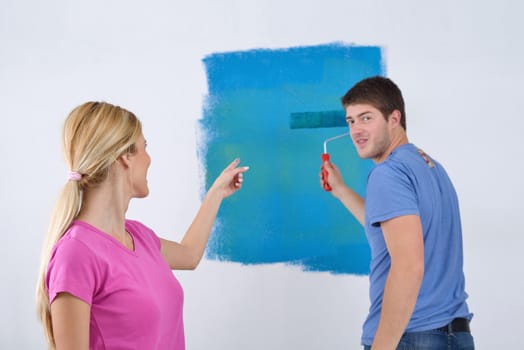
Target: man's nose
{"x": 355, "y": 128}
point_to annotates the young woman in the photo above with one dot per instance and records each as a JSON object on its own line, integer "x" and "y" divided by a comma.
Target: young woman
{"x": 106, "y": 281}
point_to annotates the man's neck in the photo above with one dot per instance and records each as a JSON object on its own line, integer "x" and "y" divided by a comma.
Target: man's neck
{"x": 397, "y": 140}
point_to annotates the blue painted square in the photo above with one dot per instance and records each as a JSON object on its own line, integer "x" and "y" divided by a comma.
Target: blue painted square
{"x": 282, "y": 214}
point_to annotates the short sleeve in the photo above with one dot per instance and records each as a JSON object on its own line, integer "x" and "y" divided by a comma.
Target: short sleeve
{"x": 72, "y": 269}
{"x": 389, "y": 194}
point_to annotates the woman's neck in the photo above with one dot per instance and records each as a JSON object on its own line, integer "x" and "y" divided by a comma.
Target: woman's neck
{"x": 105, "y": 207}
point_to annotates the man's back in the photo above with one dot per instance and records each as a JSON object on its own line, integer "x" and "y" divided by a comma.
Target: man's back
{"x": 409, "y": 182}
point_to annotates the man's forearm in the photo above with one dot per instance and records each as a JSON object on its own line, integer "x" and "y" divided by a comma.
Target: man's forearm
{"x": 352, "y": 201}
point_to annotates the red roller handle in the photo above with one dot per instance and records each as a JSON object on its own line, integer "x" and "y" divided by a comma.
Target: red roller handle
{"x": 325, "y": 157}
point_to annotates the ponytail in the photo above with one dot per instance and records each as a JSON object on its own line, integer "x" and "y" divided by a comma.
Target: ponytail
{"x": 65, "y": 211}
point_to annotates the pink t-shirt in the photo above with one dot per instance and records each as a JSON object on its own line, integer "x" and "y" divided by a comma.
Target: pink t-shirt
{"x": 136, "y": 301}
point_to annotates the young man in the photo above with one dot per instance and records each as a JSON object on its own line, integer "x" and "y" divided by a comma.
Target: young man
{"x": 412, "y": 222}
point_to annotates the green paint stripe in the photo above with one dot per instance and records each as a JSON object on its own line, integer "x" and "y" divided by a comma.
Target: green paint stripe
{"x": 323, "y": 119}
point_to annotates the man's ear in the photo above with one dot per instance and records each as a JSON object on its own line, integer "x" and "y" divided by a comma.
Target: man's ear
{"x": 395, "y": 117}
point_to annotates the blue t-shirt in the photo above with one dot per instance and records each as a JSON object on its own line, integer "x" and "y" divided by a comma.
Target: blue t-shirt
{"x": 409, "y": 182}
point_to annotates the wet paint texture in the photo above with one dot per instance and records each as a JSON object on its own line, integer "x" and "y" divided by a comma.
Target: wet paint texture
{"x": 274, "y": 109}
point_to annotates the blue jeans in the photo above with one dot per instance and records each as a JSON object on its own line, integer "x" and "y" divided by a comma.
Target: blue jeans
{"x": 434, "y": 340}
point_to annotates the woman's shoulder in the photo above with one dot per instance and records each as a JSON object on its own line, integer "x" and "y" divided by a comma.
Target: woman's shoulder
{"x": 145, "y": 233}
{"x": 74, "y": 248}
{"x": 138, "y": 226}
{"x": 76, "y": 237}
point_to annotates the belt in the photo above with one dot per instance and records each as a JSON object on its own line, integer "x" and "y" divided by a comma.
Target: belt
{"x": 457, "y": 325}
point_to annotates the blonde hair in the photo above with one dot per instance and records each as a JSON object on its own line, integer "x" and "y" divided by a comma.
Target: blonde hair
{"x": 95, "y": 134}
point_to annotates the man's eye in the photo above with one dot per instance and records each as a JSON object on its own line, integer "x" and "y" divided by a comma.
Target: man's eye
{"x": 366, "y": 118}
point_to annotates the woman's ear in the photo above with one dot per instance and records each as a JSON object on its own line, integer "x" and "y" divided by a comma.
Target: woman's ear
{"x": 125, "y": 160}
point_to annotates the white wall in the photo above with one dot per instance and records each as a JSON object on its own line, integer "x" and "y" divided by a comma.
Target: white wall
{"x": 459, "y": 64}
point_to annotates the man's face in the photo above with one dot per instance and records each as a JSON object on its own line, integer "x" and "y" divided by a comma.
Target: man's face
{"x": 369, "y": 130}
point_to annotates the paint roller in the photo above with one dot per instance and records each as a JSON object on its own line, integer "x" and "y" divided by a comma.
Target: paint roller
{"x": 324, "y": 119}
